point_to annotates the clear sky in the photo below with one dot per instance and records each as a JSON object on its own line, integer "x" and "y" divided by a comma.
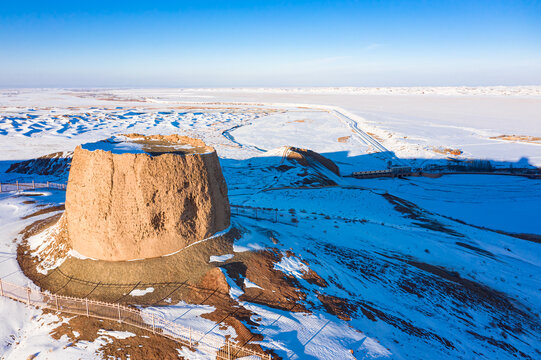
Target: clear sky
{"x": 204, "y": 43}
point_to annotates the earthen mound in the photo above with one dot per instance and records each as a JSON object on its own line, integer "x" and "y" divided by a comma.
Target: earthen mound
{"x": 134, "y": 197}
{"x": 308, "y": 157}
{"x": 56, "y": 164}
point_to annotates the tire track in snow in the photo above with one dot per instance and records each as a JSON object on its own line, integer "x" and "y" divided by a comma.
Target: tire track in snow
{"x": 365, "y": 138}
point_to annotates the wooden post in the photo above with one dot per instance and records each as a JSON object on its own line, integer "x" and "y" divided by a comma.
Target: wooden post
{"x": 153, "y": 324}
{"x": 56, "y": 302}
{"x": 17, "y": 182}
{"x": 228, "y": 351}
{"x": 33, "y": 185}
{"x": 190, "y": 331}
{"x": 0, "y": 187}
{"x": 86, "y": 301}
{"x": 28, "y": 296}
{"x": 1, "y": 288}
{"x": 119, "y": 317}
{"x": 47, "y": 184}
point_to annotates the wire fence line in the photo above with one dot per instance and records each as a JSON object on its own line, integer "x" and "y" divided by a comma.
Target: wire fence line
{"x": 223, "y": 348}
{"x": 17, "y": 186}
{"x": 269, "y": 214}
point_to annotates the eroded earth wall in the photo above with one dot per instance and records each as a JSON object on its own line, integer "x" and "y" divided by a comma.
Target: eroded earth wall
{"x": 133, "y": 206}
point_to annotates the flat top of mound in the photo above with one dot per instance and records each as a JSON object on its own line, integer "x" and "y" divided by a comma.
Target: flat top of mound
{"x": 151, "y": 144}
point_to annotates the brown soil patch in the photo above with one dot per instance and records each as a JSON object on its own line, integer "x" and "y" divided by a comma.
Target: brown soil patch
{"x": 344, "y": 139}
{"x": 297, "y": 121}
{"x": 436, "y": 279}
{"x": 305, "y": 157}
{"x": 342, "y": 308}
{"x": 46, "y": 210}
{"x": 518, "y": 138}
{"x": 39, "y": 226}
{"x": 429, "y": 283}
{"x": 448, "y": 151}
{"x": 375, "y": 314}
{"x": 501, "y": 344}
{"x": 375, "y": 136}
{"x": 279, "y": 290}
{"x": 145, "y": 345}
{"x": 412, "y": 211}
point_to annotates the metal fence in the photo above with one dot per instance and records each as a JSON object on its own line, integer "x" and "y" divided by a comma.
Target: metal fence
{"x": 224, "y": 349}
{"x": 16, "y": 186}
{"x": 258, "y": 213}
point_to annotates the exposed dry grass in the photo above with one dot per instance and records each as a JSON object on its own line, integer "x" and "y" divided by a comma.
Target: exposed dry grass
{"x": 448, "y": 151}
{"x": 519, "y": 138}
{"x": 374, "y": 136}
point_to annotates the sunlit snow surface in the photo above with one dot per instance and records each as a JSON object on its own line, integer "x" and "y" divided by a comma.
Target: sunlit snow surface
{"x": 369, "y": 253}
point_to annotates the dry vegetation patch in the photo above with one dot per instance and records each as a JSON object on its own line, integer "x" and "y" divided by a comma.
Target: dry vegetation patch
{"x": 448, "y": 151}
{"x": 518, "y": 138}
{"x": 375, "y": 136}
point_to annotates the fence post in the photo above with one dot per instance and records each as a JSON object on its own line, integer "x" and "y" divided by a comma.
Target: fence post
{"x": 56, "y": 302}
{"x": 119, "y": 317}
{"x": 153, "y": 324}
{"x": 47, "y": 184}
{"x": 190, "y": 331}
{"x": 17, "y": 182}
{"x": 33, "y": 185}
{"x": 0, "y": 187}
{"x": 28, "y": 296}
{"x": 228, "y": 350}
{"x": 86, "y": 301}
{"x": 1, "y": 287}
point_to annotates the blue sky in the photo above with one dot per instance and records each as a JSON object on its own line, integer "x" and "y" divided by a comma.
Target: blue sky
{"x": 269, "y": 43}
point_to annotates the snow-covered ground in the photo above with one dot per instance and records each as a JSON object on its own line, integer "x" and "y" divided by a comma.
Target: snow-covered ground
{"x": 418, "y": 283}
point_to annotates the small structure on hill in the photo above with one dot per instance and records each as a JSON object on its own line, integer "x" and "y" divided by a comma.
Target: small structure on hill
{"x": 138, "y": 197}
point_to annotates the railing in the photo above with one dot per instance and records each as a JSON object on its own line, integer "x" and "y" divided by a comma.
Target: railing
{"x": 224, "y": 350}
{"x": 16, "y": 186}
